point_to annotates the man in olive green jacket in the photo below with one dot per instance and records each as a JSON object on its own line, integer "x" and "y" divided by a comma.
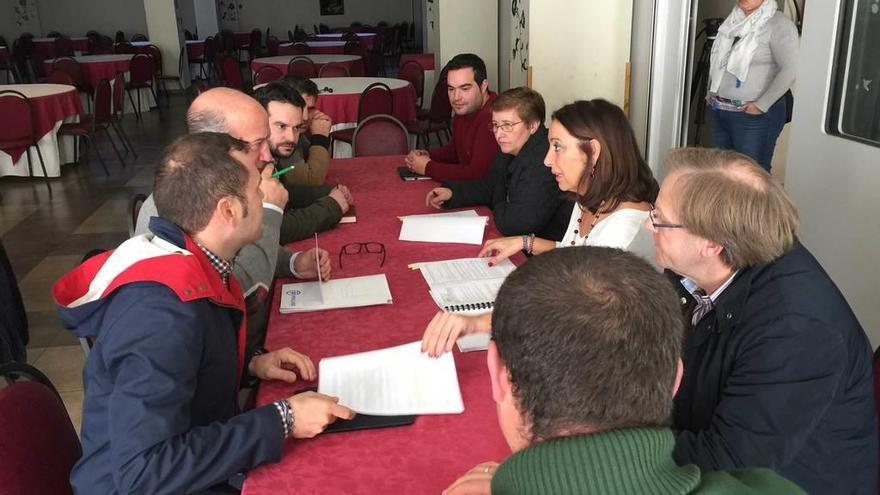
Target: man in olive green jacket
{"x": 310, "y": 208}
{"x": 584, "y": 362}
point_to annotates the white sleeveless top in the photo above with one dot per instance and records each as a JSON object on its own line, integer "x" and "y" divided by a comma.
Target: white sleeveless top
{"x": 622, "y": 229}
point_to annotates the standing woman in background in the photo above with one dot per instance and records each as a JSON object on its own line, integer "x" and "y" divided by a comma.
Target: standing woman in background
{"x": 753, "y": 66}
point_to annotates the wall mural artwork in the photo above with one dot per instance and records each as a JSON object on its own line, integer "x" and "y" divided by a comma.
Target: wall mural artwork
{"x": 26, "y": 13}
{"x": 332, "y": 7}
{"x": 520, "y": 33}
{"x": 229, "y": 14}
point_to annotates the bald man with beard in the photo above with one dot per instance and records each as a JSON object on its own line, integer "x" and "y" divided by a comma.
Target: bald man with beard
{"x": 232, "y": 112}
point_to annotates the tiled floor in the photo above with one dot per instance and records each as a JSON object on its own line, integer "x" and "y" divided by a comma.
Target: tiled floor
{"x": 45, "y": 237}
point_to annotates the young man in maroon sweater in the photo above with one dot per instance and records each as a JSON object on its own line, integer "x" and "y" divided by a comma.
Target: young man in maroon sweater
{"x": 472, "y": 148}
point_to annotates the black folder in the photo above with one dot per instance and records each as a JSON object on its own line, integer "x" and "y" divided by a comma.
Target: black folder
{"x": 408, "y": 175}
{"x": 365, "y": 421}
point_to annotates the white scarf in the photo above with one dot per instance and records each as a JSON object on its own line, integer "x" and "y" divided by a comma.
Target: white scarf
{"x": 737, "y": 59}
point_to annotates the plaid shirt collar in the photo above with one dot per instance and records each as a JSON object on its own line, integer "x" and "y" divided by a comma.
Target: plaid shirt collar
{"x": 223, "y": 267}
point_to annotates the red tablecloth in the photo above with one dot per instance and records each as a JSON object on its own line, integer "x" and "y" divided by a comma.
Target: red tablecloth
{"x": 46, "y": 46}
{"x": 366, "y": 39}
{"x": 97, "y": 67}
{"x": 242, "y": 39}
{"x": 433, "y": 452}
{"x": 195, "y": 49}
{"x": 342, "y": 104}
{"x": 326, "y": 47}
{"x": 354, "y": 63}
{"x": 52, "y": 103}
{"x": 426, "y": 60}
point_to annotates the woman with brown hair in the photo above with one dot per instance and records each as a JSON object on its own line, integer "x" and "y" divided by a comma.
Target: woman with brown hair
{"x": 594, "y": 156}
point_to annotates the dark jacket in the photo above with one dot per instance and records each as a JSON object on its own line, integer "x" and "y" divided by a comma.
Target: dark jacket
{"x": 779, "y": 375}
{"x": 521, "y": 192}
{"x": 13, "y": 318}
{"x": 160, "y": 413}
{"x": 309, "y": 210}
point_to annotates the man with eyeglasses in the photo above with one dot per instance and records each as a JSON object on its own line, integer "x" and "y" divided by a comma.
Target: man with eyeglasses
{"x": 777, "y": 370}
{"x": 232, "y": 112}
{"x": 470, "y": 151}
{"x": 310, "y": 209}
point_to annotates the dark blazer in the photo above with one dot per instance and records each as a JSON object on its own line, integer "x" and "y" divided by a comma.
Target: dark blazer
{"x": 779, "y": 375}
{"x": 521, "y": 192}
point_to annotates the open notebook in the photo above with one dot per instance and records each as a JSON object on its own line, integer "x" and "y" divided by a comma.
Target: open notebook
{"x": 467, "y": 286}
{"x": 351, "y": 292}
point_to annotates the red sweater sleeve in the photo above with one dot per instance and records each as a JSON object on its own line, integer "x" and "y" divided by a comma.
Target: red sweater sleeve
{"x": 456, "y": 161}
{"x": 484, "y": 150}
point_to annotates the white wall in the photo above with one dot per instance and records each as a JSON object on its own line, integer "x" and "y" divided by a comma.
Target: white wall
{"x": 834, "y": 181}
{"x": 513, "y": 36}
{"x": 76, "y": 17}
{"x": 187, "y": 11}
{"x": 579, "y": 49}
{"x": 206, "y": 18}
{"x": 281, "y": 15}
{"x": 470, "y": 27}
{"x": 16, "y": 19}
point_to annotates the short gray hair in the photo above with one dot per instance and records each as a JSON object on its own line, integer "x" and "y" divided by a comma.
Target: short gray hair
{"x": 724, "y": 196}
{"x": 206, "y": 121}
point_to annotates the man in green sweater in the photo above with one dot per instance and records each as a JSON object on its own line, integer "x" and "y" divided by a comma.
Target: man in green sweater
{"x": 584, "y": 362}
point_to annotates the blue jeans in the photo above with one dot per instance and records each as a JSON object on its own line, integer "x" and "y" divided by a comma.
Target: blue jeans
{"x": 752, "y": 135}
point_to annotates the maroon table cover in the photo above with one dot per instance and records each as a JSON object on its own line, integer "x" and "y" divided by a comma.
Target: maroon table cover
{"x": 48, "y": 110}
{"x": 426, "y": 60}
{"x": 355, "y": 67}
{"x": 242, "y": 39}
{"x": 430, "y": 454}
{"x": 344, "y": 107}
{"x": 99, "y": 68}
{"x": 195, "y": 49}
{"x": 326, "y": 47}
{"x": 366, "y": 39}
{"x": 46, "y": 47}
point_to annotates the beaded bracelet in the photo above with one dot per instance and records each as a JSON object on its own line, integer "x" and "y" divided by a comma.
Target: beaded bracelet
{"x": 525, "y": 240}
{"x": 531, "y": 243}
{"x": 286, "y": 414}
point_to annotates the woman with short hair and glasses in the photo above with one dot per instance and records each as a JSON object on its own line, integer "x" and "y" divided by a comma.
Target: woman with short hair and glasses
{"x": 518, "y": 188}
{"x": 594, "y": 157}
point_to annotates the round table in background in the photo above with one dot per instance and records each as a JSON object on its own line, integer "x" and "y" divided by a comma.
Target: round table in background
{"x": 353, "y": 63}
{"x": 326, "y": 47}
{"x": 53, "y": 105}
{"x": 342, "y": 103}
{"x": 46, "y": 46}
{"x": 97, "y": 67}
{"x": 366, "y": 39}
{"x": 426, "y": 60}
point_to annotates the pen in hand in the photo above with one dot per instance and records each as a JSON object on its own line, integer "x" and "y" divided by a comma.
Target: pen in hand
{"x": 279, "y": 173}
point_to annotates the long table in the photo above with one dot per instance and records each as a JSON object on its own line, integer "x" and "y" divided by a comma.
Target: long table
{"x": 429, "y": 455}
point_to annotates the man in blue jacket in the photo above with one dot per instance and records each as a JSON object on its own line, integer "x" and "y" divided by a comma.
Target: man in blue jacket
{"x": 777, "y": 370}
{"x": 168, "y": 323}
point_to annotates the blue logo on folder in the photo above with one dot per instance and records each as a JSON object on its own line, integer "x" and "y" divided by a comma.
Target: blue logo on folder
{"x": 293, "y": 293}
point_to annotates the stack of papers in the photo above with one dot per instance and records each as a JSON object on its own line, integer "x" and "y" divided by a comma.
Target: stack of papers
{"x": 467, "y": 285}
{"x": 464, "y": 227}
{"x": 393, "y": 381}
